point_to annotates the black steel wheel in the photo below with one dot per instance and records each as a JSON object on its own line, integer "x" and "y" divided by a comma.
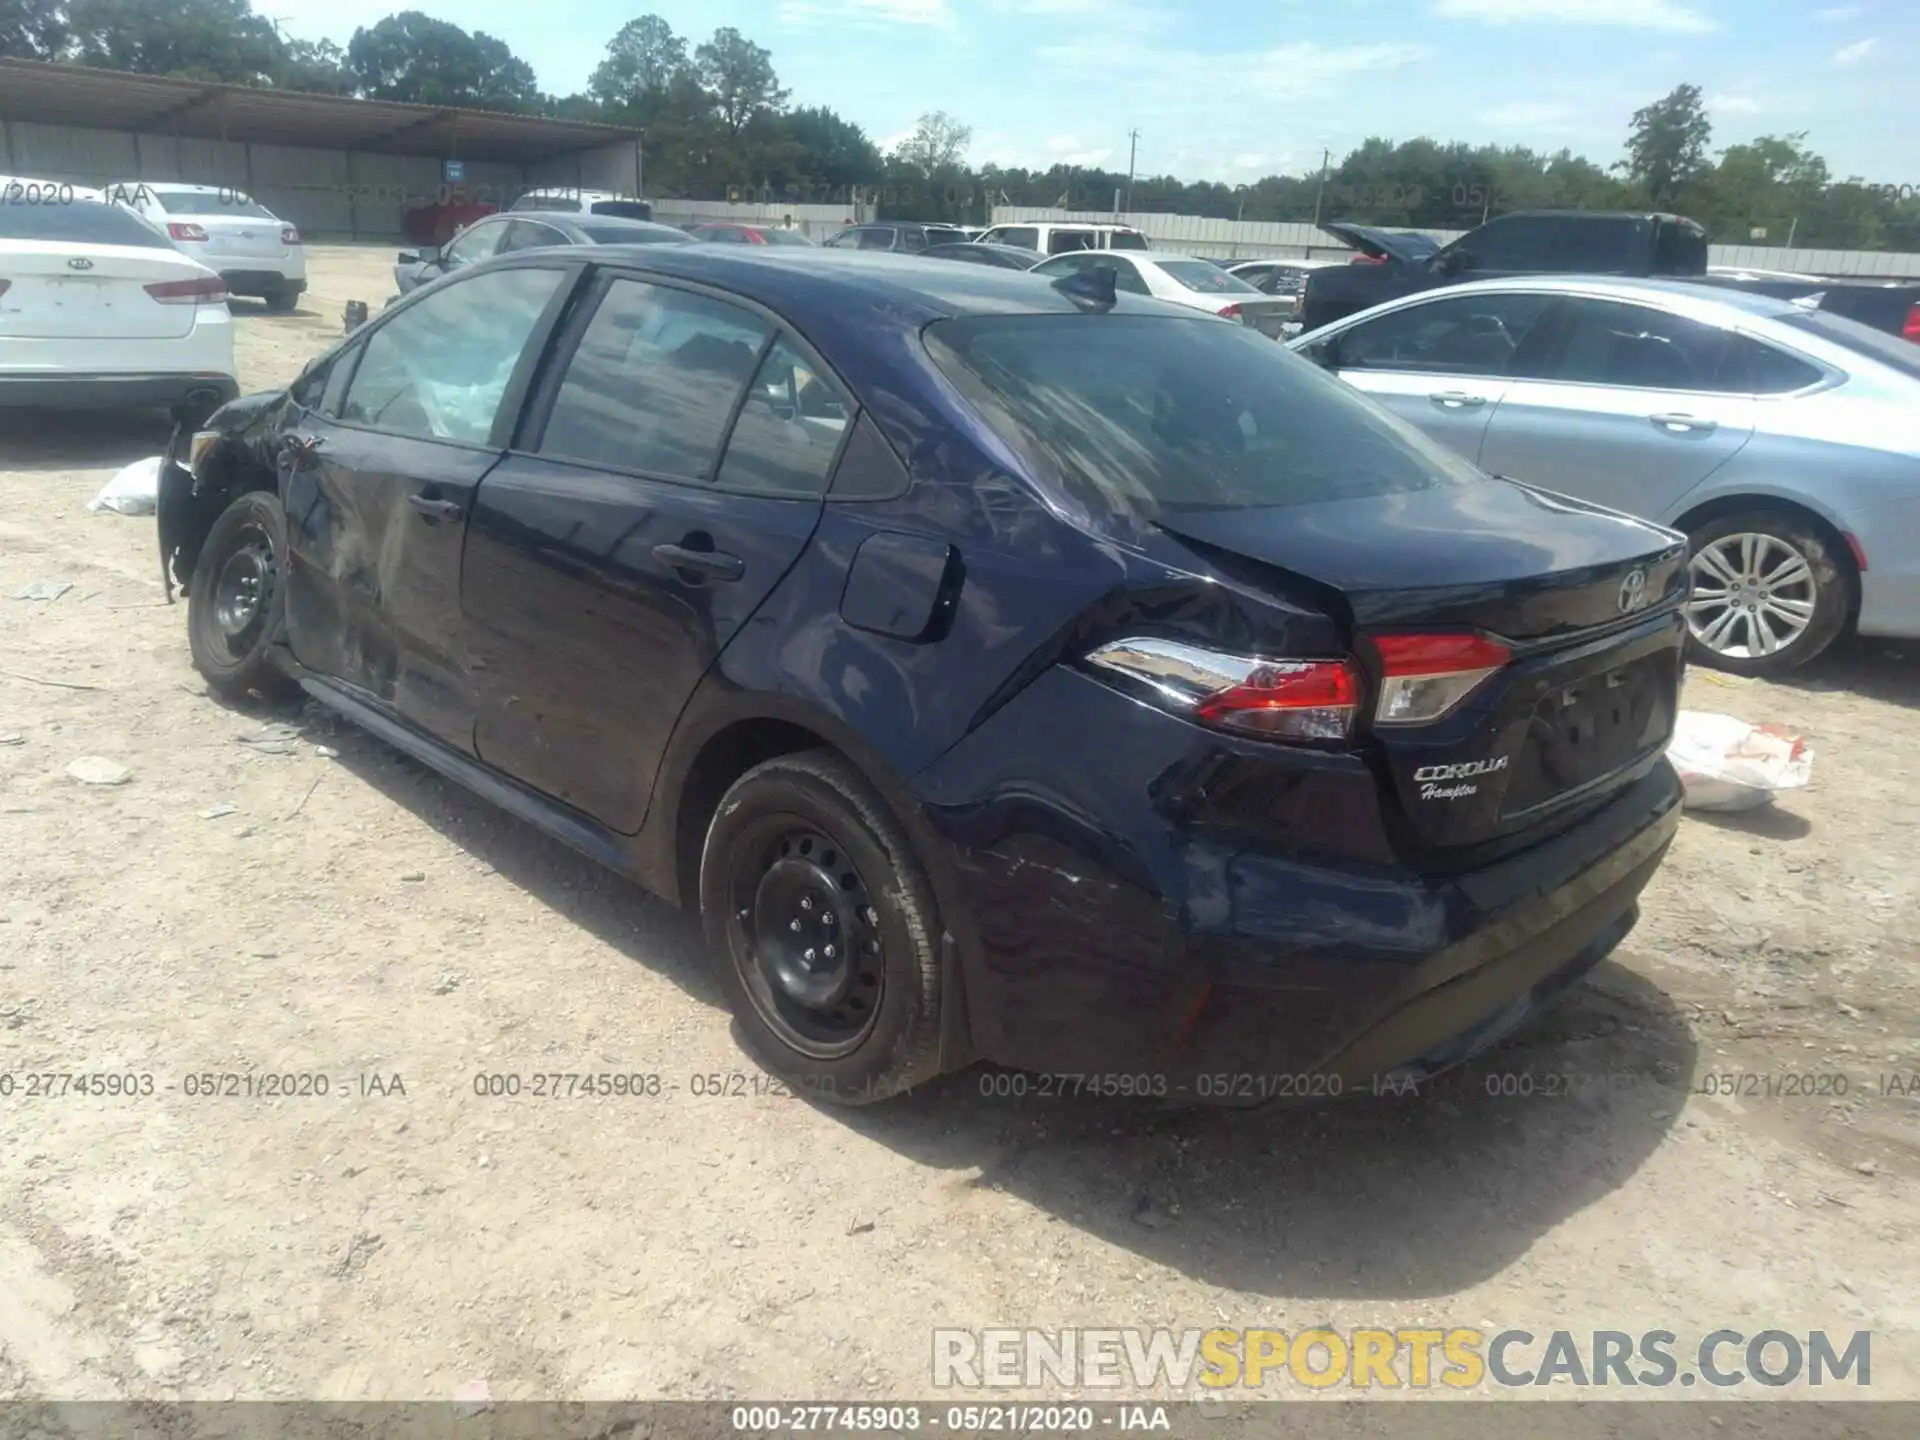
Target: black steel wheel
{"x": 824, "y": 929}
{"x": 234, "y": 603}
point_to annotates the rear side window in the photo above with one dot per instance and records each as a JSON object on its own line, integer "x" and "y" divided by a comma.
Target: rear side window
{"x": 1679, "y": 248}
{"x": 1767, "y": 371}
{"x": 1593, "y": 246}
{"x": 652, "y": 382}
{"x": 1127, "y": 240}
{"x": 789, "y": 429}
{"x": 874, "y": 237}
{"x": 1515, "y": 243}
{"x": 1139, "y": 416}
{"x": 80, "y": 222}
{"x": 1060, "y": 242}
{"x": 1024, "y": 236}
{"x": 1608, "y": 343}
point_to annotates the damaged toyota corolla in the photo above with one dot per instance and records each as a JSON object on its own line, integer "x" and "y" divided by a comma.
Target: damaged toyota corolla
{"x": 1005, "y": 671}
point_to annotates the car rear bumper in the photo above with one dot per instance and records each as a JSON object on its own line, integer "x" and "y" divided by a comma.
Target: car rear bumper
{"x": 250, "y": 280}
{"x": 112, "y": 392}
{"x": 1120, "y": 933}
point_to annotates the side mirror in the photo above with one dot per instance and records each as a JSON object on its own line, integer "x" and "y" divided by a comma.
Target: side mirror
{"x": 428, "y": 255}
{"x": 1452, "y": 262}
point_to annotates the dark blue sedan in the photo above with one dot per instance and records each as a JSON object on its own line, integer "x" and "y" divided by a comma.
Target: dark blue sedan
{"x": 1005, "y": 671}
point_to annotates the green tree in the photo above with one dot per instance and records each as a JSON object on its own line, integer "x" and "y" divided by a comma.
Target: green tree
{"x": 1667, "y": 145}
{"x": 32, "y": 29}
{"x": 316, "y": 67}
{"x": 834, "y": 154}
{"x": 936, "y": 146}
{"x": 415, "y": 58}
{"x": 644, "y": 58}
{"x": 197, "y": 39}
{"x": 739, "y": 77}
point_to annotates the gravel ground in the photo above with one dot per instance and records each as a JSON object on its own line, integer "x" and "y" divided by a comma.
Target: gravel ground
{"x": 354, "y": 917}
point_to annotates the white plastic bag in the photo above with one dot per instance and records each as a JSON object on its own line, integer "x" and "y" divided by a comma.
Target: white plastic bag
{"x": 1727, "y": 764}
{"x": 134, "y": 491}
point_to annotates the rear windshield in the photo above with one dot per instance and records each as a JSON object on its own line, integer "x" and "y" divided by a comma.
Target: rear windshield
{"x": 209, "y": 202}
{"x": 1127, "y": 240}
{"x": 625, "y": 209}
{"x": 1141, "y": 416}
{"x": 1902, "y": 355}
{"x": 628, "y": 234}
{"x": 85, "y": 222}
{"x": 1208, "y": 279}
{"x": 785, "y": 237}
{"x": 547, "y": 202}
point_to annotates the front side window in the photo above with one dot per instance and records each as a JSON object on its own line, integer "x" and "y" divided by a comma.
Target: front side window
{"x": 1515, "y": 243}
{"x": 1460, "y": 335}
{"x": 1139, "y": 416}
{"x": 1061, "y": 242}
{"x": 656, "y": 374}
{"x": 1026, "y": 237}
{"x": 1610, "y": 343}
{"x": 789, "y": 429}
{"x": 439, "y": 369}
{"x": 875, "y": 237}
{"x": 476, "y": 243}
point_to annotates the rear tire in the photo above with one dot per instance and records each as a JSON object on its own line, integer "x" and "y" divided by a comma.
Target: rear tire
{"x": 235, "y": 601}
{"x": 1770, "y": 593}
{"x": 280, "y": 302}
{"x": 824, "y": 929}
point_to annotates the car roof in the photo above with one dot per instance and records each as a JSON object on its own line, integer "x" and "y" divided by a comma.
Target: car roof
{"x": 570, "y": 219}
{"x": 831, "y": 290}
{"x": 1765, "y": 307}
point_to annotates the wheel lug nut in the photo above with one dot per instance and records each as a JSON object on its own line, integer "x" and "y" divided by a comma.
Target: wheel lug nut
{"x": 806, "y": 902}
{"x": 828, "y": 952}
{"x": 795, "y": 926}
{"x": 809, "y": 956}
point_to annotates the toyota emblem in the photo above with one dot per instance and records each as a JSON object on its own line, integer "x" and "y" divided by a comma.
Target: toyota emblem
{"x": 79, "y": 262}
{"x": 1633, "y": 592}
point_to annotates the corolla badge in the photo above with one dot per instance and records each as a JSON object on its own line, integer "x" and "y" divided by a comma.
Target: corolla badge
{"x": 1633, "y": 592}
{"x": 1432, "y": 778}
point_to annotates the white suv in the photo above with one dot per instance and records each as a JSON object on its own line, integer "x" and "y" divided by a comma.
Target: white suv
{"x": 585, "y": 202}
{"x": 1059, "y": 239}
{"x": 247, "y": 245}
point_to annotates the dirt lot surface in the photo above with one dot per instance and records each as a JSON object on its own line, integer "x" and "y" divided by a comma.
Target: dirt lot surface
{"x": 356, "y": 918}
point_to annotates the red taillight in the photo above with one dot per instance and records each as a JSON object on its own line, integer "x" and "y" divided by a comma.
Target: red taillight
{"x": 188, "y": 292}
{"x": 1232, "y": 312}
{"x": 181, "y": 230}
{"x": 1289, "y": 700}
{"x": 1911, "y": 330}
{"x": 289, "y": 235}
{"x": 1368, "y": 260}
{"x": 1423, "y": 677}
{"x": 1270, "y": 699}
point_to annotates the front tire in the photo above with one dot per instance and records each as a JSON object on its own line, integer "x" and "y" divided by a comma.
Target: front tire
{"x": 1769, "y": 593}
{"x": 824, "y": 929}
{"x": 235, "y": 601}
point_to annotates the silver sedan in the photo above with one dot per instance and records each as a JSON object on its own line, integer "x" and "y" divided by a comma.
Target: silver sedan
{"x": 1784, "y": 442}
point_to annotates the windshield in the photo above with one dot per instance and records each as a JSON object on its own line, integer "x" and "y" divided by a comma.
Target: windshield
{"x": 86, "y": 222}
{"x": 1141, "y": 415}
{"x": 629, "y": 234}
{"x": 210, "y": 202}
{"x": 1207, "y": 278}
{"x": 1889, "y": 350}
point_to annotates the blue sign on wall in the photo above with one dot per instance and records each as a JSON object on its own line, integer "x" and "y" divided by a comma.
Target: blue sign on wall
{"x": 453, "y": 172}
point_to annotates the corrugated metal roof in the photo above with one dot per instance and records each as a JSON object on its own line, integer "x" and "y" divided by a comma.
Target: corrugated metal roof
{"x": 77, "y": 95}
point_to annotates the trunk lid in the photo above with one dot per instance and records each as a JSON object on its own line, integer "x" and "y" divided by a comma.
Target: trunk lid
{"x": 1384, "y": 244}
{"x": 90, "y": 292}
{"x": 1587, "y": 601}
{"x": 236, "y": 237}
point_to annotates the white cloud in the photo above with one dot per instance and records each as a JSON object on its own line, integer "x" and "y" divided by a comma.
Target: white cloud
{"x": 801, "y": 14}
{"x": 1525, "y": 114}
{"x": 1853, "y": 54}
{"x": 1734, "y": 105}
{"x": 1837, "y": 13}
{"x": 1620, "y": 14}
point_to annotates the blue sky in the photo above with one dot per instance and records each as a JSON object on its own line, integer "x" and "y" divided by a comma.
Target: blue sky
{"x": 1233, "y": 90}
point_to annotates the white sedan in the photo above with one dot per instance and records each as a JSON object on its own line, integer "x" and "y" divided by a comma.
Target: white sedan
{"x": 232, "y": 234}
{"x": 97, "y": 309}
{"x": 1183, "y": 279}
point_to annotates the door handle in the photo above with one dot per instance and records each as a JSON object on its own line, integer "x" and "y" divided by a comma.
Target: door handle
{"x": 436, "y": 509}
{"x": 1681, "y": 424}
{"x": 1458, "y": 400}
{"x": 714, "y": 563}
